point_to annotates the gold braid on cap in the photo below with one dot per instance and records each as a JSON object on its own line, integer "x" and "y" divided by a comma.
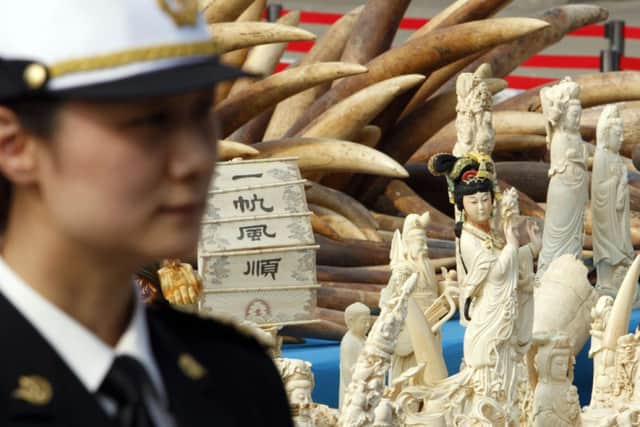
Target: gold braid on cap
{"x": 130, "y": 56}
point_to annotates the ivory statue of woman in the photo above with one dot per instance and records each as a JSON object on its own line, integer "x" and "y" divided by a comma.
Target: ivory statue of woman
{"x": 612, "y": 247}
{"x": 491, "y": 294}
{"x": 497, "y": 305}
{"x": 568, "y": 190}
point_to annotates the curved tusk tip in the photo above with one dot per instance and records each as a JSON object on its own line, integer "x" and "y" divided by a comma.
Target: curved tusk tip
{"x": 305, "y": 35}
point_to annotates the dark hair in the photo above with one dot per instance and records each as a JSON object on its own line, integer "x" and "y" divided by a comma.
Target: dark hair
{"x": 450, "y": 165}
{"x": 37, "y": 116}
{"x": 463, "y": 189}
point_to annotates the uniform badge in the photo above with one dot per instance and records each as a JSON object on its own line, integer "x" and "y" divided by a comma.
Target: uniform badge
{"x": 183, "y": 12}
{"x": 33, "y": 389}
{"x": 191, "y": 367}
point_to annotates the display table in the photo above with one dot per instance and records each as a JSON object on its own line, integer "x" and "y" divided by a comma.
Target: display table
{"x": 325, "y": 358}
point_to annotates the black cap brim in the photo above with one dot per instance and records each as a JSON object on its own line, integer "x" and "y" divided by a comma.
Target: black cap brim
{"x": 170, "y": 81}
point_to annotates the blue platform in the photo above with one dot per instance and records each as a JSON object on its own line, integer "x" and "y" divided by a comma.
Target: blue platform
{"x": 325, "y": 358}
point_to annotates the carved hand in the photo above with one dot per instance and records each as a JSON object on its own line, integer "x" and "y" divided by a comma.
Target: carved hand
{"x": 535, "y": 236}
{"x": 511, "y": 233}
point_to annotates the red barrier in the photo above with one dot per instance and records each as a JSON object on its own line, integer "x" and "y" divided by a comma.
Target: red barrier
{"x": 518, "y": 82}
{"x": 526, "y": 82}
{"x": 327, "y": 18}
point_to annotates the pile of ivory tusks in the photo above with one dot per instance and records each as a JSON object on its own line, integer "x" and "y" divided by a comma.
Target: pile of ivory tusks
{"x": 364, "y": 118}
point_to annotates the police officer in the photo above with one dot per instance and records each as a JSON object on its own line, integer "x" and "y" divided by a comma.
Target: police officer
{"x": 106, "y": 153}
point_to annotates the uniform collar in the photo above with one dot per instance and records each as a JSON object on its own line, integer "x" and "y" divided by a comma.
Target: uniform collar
{"x": 85, "y": 354}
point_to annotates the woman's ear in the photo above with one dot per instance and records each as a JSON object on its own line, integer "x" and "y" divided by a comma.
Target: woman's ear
{"x": 17, "y": 149}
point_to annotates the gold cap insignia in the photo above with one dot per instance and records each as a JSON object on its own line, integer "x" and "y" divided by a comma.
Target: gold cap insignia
{"x": 35, "y": 75}
{"x": 191, "y": 367}
{"x": 33, "y": 389}
{"x": 183, "y": 12}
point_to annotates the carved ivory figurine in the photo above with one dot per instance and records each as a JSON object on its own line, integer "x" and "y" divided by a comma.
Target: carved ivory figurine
{"x": 555, "y": 401}
{"x": 410, "y": 249}
{"x": 615, "y": 400}
{"x": 568, "y": 190}
{"x": 298, "y": 381}
{"x": 487, "y": 389}
{"x": 358, "y": 319}
{"x": 366, "y": 390}
{"x": 612, "y": 247}
{"x": 473, "y": 108}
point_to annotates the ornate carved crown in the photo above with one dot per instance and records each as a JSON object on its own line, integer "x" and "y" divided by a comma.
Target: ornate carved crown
{"x": 472, "y": 167}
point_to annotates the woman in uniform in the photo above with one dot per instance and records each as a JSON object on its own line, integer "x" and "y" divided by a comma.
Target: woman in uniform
{"x": 107, "y": 147}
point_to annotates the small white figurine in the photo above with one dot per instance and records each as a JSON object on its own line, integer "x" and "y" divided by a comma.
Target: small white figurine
{"x": 612, "y": 247}
{"x": 366, "y": 390}
{"x": 555, "y": 401}
{"x": 568, "y": 190}
{"x": 409, "y": 251}
{"x": 474, "y": 129}
{"x": 298, "y": 382}
{"x": 358, "y": 319}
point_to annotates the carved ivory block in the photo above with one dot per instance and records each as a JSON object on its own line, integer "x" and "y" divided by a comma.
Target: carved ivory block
{"x": 264, "y": 199}
{"x": 256, "y": 232}
{"x": 263, "y": 306}
{"x": 255, "y": 172}
{"x": 264, "y": 268}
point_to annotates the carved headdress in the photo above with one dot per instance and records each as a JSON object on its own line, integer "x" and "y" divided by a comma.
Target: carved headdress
{"x": 555, "y": 100}
{"x": 472, "y": 173}
{"x": 414, "y": 227}
{"x": 550, "y": 345}
{"x": 295, "y": 373}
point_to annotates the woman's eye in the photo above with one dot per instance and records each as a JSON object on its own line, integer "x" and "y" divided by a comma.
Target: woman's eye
{"x": 157, "y": 119}
{"x": 202, "y": 111}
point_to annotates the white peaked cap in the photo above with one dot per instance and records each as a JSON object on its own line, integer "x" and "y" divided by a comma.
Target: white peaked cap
{"x": 105, "y": 48}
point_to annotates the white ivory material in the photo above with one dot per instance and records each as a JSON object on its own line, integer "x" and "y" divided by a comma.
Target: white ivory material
{"x": 474, "y": 129}
{"x": 366, "y": 389}
{"x": 489, "y": 390}
{"x": 410, "y": 249}
{"x": 358, "y": 320}
{"x": 298, "y": 382}
{"x": 568, "y": 190}
{"x": 612, "y": 247}
{"x": 564, "y": 299}
{"x": 555, "y": 401}
{"x": 615, "y": 400}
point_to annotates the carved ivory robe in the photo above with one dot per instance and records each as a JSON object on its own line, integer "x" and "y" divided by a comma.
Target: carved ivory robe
{"x": 350, "y": 348}
{"x": 611, "y": 226}
{"x": 425, "y": 294}
{"x": 500, "y": 313}
{"x": 567, "y": 198}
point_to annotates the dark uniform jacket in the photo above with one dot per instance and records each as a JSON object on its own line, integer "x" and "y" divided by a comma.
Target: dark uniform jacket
{"x": 239, "y": 385}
